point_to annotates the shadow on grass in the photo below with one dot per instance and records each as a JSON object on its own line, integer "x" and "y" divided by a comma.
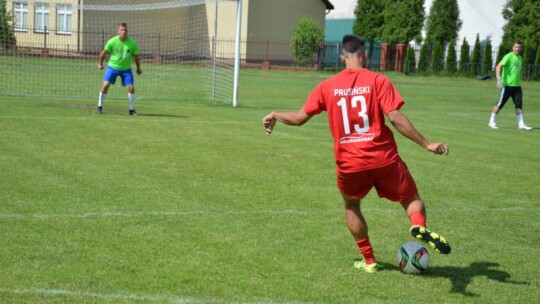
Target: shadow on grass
{"x": 461, "y": 277}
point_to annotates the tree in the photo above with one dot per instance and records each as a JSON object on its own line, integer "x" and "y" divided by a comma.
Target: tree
{"x": 403, "y": 21}
{"x": 487, "y": 59}
{"x": 476, "y": 57}
{"x": 522, "y": 22}
{"x": 306, "y": 38}
{"x": 410, "y": 60}
{"x": 536, "y": 75}
{"x": 528, "y": 54}
{"x": 423, "y": 60}
{"x": 451, "y": 58}
{"x": 437, "y": 58}
{"x": 369, "y": 22}
{"x": 7, "y": 36}
{"x": 503, "y": 50}
{"x": 464, "y": 59}
{"x": 443, "y": 23}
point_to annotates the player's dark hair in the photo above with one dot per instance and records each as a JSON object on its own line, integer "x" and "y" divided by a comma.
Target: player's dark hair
{"x": 353, "y": 45}
{"x": 518, "y": 42}
{"x": 122, "y": 24}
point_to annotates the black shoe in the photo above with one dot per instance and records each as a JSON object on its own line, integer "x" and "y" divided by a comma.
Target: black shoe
{"x": 437, "y": 242}
{"x": 132, "y": 113}
{"x": 99, "y": 110}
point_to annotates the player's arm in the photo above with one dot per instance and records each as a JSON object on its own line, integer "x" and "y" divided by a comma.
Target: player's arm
{"x": 101, "y": 58}
{"x": 296, "y": 118}
{"x": 406, "y": 128}
{"x": 498, "y": 73}
{"x": 138, "y": 64}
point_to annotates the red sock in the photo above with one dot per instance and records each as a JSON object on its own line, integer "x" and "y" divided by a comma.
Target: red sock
{"x": 366, "y": 250}
{"x": 418, "y": 219}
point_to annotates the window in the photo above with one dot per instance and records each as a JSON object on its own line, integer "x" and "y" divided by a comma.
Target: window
{"x": 63, "y": 19}
{"x": 41, "y": 20}
{"x": 20, "y": 11}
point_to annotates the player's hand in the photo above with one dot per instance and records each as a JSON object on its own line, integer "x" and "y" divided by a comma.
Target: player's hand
{"x": 269, "y": 121}
{"x": 499, "y": 83}
{"x": 100, "y": 66}
{"x": 438, "y": 148}
{"x": 139, "y": 71}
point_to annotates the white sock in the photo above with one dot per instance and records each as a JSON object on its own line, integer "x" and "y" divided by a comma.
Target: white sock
{"x": 101, "y": 99}
{"x": 131, "y": 98}
{"x": 493, "y": 116}
{"x": 520, "y": 119}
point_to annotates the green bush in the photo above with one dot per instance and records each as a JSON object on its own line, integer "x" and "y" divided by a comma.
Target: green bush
{"x": 423, "y": 61}
{"x": 437, "y": 58}
{"x": 464, "y": 59}
{"x": 487, "y": 59}
{"x": 306, "y": 38}
{"x": 410, "y": 61}
{"x": 536, "y": 75}
{"x": 503, "y": 50}
{"x": 476, "y": 57}
{"x": 451, "y": 58}
{"x": 7, "y": 37}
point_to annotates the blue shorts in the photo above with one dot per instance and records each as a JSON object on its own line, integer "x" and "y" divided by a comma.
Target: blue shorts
{"x": 126, "y": 76}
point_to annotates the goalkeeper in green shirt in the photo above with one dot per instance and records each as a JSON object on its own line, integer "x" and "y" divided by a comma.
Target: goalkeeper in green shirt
{"x": 508, "y": 73}
{"x": 122, "y": 50}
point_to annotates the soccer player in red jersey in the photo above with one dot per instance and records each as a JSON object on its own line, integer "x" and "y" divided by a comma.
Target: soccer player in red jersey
{"x": 356, "y": 101}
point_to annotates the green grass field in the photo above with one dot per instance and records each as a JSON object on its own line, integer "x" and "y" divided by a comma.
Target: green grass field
{"x": 191, "y": 202}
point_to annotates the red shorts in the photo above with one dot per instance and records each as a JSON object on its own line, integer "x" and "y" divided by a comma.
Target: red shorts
{"x": 393, "y": 182}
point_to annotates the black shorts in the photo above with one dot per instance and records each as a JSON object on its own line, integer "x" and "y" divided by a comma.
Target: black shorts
{"x": 506, "y": 93}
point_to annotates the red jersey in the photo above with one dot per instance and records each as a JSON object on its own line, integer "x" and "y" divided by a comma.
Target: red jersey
{"x": 356, "y": 101}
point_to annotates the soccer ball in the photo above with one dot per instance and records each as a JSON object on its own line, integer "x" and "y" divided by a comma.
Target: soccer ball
{"x": 412, "y": 258}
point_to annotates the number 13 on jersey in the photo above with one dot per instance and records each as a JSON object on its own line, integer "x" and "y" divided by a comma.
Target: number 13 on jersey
{"x": 356, "y": 102}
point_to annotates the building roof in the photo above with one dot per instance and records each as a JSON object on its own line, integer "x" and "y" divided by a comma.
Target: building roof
{"x": 329, "y": 6}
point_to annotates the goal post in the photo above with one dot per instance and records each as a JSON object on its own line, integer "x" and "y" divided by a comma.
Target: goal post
{"x": 182, "y": 43}
{"x": 237, "y": 53}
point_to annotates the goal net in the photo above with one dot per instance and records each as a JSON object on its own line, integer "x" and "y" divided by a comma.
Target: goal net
{"x": 51, "y": 47}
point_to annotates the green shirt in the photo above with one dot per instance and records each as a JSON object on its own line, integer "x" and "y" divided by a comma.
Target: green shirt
{"x": 121, "y": 52}
{"x": 511, "y": 70}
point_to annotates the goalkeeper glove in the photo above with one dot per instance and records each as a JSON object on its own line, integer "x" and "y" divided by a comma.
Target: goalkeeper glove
{"x": 499, "y": 83}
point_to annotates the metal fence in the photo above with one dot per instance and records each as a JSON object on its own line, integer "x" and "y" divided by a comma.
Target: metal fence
{"x": 269, "y": 55}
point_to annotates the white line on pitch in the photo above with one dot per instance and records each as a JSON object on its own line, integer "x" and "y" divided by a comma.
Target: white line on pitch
{"x": 222, "y": 213}
{"x": 132, "y": 297}
{"x": 123, "y": 118}
{"x": 135, "y": 297}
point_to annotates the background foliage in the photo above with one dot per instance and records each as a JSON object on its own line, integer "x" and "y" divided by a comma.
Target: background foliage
{"x": 403, "y": 21}
{"x": 451, "y": 58}
{"x": 7, "y": 36}
{"x": 305, "y": 40}
{"x": 464, "y": 59}
{"x": 443, "y": 23}
{"x": 522, "y": 22}
{"x": 369, "y": 22}
{"x": 487, "y": 59}
{"x": 476, "y": 56}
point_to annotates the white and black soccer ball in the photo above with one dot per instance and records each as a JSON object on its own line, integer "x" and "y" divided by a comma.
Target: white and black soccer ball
{"x": 413, "y": 258}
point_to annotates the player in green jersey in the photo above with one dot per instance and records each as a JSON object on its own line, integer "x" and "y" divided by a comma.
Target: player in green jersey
{"x": 122, "y": 50}
{"x": 508, "y": 73}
